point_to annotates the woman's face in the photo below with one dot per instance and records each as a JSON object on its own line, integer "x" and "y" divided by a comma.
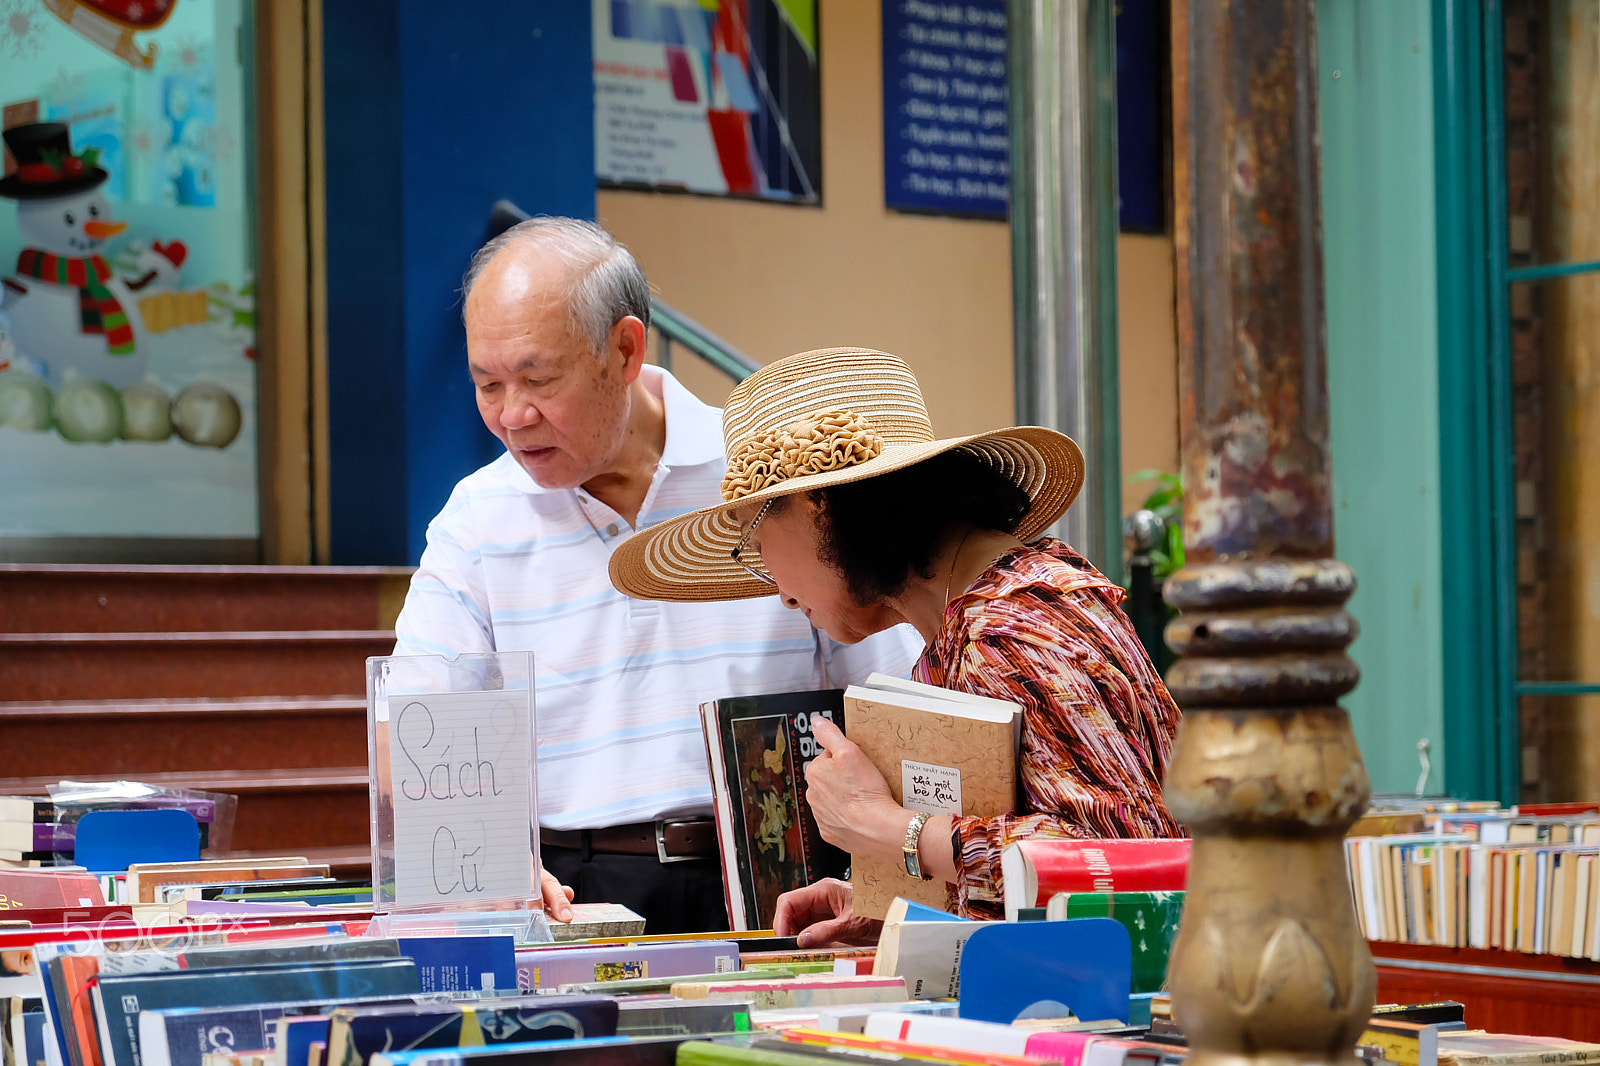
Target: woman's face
{"x": 789, "y": 543}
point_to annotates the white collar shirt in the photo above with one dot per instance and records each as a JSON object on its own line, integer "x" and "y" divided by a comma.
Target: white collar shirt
{"x": 512, "y": 566}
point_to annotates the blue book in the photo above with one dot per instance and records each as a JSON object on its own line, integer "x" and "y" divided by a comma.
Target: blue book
{"x": 183, "y": 1036}
{"x": 296, "y": 1035}
{"x": 32, "y": 1051}
{"x": 603, "y": 1051}
{"x": 909, "y": 910}
{"x": 455, "y": 965}
{"x": 118, "y": 998}
{"x": 355, "y": 1034}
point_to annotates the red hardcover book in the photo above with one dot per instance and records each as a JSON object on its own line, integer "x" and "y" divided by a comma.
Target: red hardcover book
{"x": 30, "y": 890}
{"x": 1034, "y": 870}
{"x": 1557, "y": 810}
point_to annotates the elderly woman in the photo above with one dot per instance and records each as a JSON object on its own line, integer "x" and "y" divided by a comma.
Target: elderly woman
{"x": 840, "y": 500}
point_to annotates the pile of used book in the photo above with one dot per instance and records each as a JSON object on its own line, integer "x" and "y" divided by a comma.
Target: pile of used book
{"x": 38, "y": 832}
{"x": 1473, "y": 875}
{"x": 199, "y": 973}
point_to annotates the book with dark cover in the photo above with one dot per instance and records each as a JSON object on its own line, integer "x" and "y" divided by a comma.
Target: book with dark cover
{"x": 654, "y": 1017}
{"x": 119, "y": 998}
{"x": 183, "y": 1036}
{"x": 295, "y": 1035}
{"x": 1444, "y": 1011}
{"x": 32, "y": 1051}
{"x": 356, "y": 1033}
{"x": 232, "y": 957}
{"x": 463, "y": 965}
{"x": 759, "y": 747}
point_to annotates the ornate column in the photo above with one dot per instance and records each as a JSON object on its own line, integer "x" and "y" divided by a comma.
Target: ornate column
{"x": 1269, "y": 966}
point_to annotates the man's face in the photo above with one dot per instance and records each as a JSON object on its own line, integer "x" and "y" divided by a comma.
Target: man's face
{"x": 560, "y": 408}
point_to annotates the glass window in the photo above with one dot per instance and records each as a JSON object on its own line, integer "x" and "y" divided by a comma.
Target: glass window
{"x": 1552, "y": 131}
{"x": 1552, "y": 318}
{"x": 128, "y": 408}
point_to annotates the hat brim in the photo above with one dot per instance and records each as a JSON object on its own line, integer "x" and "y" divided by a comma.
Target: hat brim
{"x": 687, "y": 559}
{"x": 14, "y": 188}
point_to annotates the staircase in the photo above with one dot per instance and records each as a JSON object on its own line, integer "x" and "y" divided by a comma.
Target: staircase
{"x": 245, "y": 680}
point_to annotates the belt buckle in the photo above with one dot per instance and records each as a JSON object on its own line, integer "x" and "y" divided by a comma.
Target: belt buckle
{"x": 661, "y": 846}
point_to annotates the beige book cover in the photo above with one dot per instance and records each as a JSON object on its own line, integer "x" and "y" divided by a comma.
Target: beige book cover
{"x": 145, "y": 879}
{"x": 942, "y": 752}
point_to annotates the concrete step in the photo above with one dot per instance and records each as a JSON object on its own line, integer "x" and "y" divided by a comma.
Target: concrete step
{"x": 70, "y": 598}
{"x": 152, "y": 665}
{"x": 69, "y": 738}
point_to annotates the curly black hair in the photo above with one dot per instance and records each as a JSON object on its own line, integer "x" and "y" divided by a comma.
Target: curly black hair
{"x": 880, "y": 531}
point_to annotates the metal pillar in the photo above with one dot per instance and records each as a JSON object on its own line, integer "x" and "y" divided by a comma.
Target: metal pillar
{"x": 1269, "y": 965}
{"x": 1062, "y": 69}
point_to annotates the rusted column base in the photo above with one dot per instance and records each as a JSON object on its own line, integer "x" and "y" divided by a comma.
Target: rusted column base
{"x": 1269, "y": 965}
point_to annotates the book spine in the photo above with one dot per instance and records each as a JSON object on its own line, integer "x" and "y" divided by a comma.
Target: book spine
{"x": 1106, "y": 866}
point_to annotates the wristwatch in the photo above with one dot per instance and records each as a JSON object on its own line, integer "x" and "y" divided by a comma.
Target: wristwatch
{"x": 909, "y": 847}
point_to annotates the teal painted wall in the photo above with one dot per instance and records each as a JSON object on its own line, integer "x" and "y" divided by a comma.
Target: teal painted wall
{"x": 1375, "y": 81}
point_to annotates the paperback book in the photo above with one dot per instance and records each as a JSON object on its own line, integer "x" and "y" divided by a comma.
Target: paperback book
{"x": 941, "y": 752}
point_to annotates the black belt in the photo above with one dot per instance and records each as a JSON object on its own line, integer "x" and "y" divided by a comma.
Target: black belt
{"x": 668, "y": 841}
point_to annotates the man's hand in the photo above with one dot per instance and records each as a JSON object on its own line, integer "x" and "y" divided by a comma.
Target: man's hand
{"x": 821, "y": 915}
{"x": 556, "y": 897}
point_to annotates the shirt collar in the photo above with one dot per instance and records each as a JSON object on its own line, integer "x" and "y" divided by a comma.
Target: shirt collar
{"x": 694, "y": 428}
{"x": 694, "y": 431}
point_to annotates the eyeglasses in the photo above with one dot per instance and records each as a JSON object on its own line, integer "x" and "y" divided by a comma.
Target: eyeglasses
{"x": 744, "y": 540}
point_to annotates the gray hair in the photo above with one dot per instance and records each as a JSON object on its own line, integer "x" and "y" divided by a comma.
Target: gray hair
{"x": 606, "y": 286}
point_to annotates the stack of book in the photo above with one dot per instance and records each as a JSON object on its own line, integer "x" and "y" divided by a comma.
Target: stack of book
{"x": 310, "y": 984}
{"x": 1522, "y": 880}
{"x": 39, "y": 831}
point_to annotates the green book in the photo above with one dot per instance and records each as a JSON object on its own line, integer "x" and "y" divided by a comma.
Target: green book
{"x": 1151, "y": 919}
{"x": 699, "y": 1053}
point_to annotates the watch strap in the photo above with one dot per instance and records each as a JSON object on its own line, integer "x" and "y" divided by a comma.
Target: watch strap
{"x": 909, "y": 847}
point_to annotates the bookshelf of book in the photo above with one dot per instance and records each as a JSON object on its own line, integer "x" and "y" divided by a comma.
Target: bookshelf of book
{"x": 1503, "y": 991}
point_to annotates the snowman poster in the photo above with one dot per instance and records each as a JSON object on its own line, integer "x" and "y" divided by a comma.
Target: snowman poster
{"x": 127, "y": 376}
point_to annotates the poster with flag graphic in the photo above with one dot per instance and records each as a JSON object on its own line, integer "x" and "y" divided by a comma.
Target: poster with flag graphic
{"x": 709, "y": 96}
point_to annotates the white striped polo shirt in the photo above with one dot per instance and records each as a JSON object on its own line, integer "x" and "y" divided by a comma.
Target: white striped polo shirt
{"x": 512, "y": 566}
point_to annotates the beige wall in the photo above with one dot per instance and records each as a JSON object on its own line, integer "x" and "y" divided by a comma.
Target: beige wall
{"x": 774, "y": 279}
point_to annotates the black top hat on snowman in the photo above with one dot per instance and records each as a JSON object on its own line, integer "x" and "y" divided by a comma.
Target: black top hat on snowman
{"x": 45, "y": 164}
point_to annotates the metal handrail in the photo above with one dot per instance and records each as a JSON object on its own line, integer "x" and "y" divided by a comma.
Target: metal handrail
{"x": 672, "y": 325}
{"x": 675, "y": 327}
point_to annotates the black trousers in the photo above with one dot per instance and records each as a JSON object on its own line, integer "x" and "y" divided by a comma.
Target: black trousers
{"x": 672, "y": 897}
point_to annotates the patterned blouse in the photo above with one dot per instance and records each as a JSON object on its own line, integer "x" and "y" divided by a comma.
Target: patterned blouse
{"x": 1042, "y": 628}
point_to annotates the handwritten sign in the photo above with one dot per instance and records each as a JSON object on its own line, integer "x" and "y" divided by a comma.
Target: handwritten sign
{"x": 462, "y": 813}
{"x": 930, "y": 789}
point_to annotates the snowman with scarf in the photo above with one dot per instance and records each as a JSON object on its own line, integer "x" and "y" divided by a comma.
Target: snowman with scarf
{"x": 68, "y": 308}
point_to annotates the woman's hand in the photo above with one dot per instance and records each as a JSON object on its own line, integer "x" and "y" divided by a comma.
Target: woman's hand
{"x": 555, "y": 897}
{"x": 850, "y": 798}
{"x": 820, "y": 915}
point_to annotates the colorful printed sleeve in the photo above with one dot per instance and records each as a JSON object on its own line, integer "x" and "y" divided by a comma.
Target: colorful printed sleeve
{"x": 1097, "y": 728}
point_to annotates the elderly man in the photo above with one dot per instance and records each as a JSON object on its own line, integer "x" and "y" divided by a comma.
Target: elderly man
{"x": 598, "y": 444}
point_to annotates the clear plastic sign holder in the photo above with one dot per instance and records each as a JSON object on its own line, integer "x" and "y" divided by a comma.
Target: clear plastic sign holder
{"x": 450, "y": 750}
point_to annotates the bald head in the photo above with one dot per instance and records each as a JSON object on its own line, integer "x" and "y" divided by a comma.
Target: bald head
{"x": 565, "y": 261}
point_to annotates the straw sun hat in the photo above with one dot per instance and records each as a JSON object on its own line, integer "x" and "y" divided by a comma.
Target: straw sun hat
{"x": 817, "y": 419}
